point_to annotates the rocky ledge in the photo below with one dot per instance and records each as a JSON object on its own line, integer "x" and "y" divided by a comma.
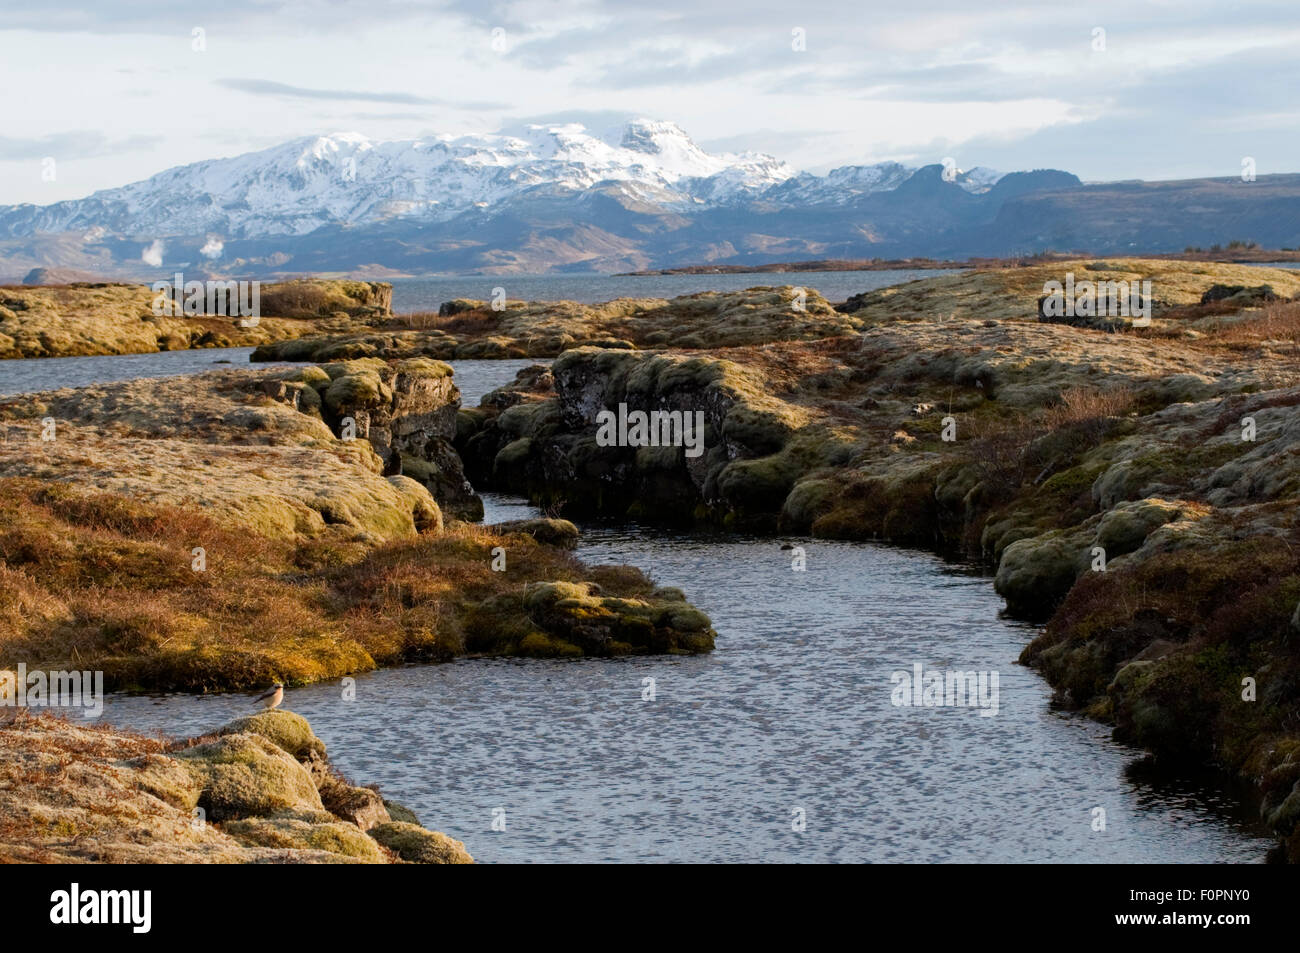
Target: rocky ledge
{"x": 475, "y": 329}
{"x": 258, "y": 790}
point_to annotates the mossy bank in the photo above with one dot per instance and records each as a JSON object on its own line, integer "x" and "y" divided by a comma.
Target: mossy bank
{"x": 258, "y": 790}
{"x": 229, "y": 530}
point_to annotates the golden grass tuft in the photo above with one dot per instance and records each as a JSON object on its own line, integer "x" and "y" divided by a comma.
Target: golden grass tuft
{"x": 95, "y": 580}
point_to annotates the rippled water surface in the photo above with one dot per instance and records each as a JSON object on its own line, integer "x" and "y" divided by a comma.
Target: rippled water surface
{"x": 790, "y": 717}
{"x": 793, "y": 711}
{"x": 476, "y": 378}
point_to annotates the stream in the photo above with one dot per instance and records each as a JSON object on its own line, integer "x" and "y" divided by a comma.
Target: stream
{"x": 782, "y": 745}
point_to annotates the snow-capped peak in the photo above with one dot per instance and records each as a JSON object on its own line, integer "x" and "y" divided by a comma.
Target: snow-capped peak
{"x": 978, "y": 180}
{"x": 349, "y": 178}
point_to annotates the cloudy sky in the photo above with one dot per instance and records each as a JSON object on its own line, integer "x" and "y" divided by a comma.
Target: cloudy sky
{"x": 116, "y": 90}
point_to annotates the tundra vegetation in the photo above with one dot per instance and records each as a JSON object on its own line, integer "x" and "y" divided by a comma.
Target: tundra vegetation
{"x": 218, "y": 532}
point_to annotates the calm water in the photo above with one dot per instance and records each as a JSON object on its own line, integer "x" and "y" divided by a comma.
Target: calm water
{"x": 475, "y": 378}
{"x": 792, "y": 713}
{"x": 51, "y": 373}
{"x": 425, "y": 294}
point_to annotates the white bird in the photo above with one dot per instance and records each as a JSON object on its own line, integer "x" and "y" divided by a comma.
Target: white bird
{"x": 273, "y": 697}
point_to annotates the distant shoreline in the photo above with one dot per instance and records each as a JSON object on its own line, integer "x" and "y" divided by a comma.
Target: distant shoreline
{"x": 1252, "y": 256}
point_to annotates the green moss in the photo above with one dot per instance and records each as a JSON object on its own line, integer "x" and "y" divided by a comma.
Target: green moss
{"x": 166, "y": 779}
{"x": 576, "y": 613}
{"x": 312, "y": 376}
{"x": 423, "y": 367}
{"x": 512, "y": 456}
{"x": 541, "y": 645}
{"x": 246, "y": 774}
{"x": 682, "y": 617}
{"x": 284, "y": 729}
{"x": 759, "y": 485}
{"x": 548, "y": 532}
{"x": 292, "y": 833}
{"x": 1035, "y": 574}
{"x": 425, "y": 512}
{"x": 1074, "y": 481}
{"x": 758, "y": 430}
{"x": 363, "y": 388}
{"x": 401, "y": 814}
{"x": 1125, "y": 527}
{"x": 415, "y": 845}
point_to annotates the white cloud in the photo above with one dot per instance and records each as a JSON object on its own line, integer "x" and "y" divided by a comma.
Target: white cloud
{"x": 875, "y": 82}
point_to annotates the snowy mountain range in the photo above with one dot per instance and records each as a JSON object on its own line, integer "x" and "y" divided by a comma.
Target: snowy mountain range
{"x": 348, "y": 179}
{"x": 551, "y": 198}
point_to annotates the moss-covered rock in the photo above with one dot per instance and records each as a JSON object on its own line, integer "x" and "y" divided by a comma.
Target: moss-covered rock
{"x": 286, "y": 730}
{"x": 1126, "y": 526}
{"x": 415, "y": 845}
{"x": 543, "y": 645}
{"x": 166, "y": 779}
{"x": 85, "y": 318}
{"x": 245, "y": 774}
{"x": 425, "y": 511}
{"x": 360, "y": 806}
{"x": 549, "y": 532}
{"x": 355, "y": 385}
{"x": 399, "y": 813}
{"x": 1036, "y": 573}
{"x": 294, "y": 833}
{"x": 601, "y": 624}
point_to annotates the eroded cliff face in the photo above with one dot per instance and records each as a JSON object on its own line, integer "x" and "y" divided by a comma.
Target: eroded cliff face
{"x": 407, "y": 411}
{"x": 704, "y": 418}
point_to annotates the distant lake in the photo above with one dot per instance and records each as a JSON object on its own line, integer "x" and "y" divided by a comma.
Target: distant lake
{"x": 425, "y": 294}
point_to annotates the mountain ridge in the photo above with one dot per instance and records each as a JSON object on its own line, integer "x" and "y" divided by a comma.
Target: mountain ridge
{"x": 643, "y": 195}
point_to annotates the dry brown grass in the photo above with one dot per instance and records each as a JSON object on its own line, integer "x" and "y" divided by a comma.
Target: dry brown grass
{"x": 297, "y": 299}
{"x": 1000, "y": 451}
{"x": 1279, "y": 321}
{"x": 1085, "y": 405}
{"x": 480, "y": 321}
{"x": 1011, "y": 450}
{"x": 97, "y": 580}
